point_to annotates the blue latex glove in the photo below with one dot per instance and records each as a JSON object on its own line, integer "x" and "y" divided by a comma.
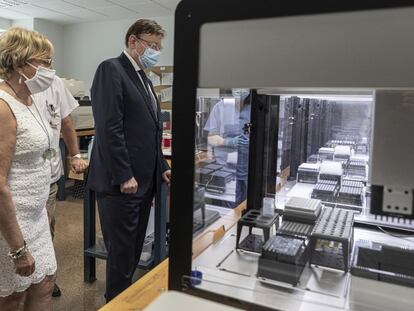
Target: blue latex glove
{"x": 241, "y": 140}
{"x": 231, "y": 141}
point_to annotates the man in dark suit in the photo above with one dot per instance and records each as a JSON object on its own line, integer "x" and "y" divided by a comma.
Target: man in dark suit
{"x": 127, "y": 165}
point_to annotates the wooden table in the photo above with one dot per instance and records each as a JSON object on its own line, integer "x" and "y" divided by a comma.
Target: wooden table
{"x": 140, "y": 294}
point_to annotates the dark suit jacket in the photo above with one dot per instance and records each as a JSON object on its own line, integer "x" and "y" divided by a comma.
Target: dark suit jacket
{"x": 128, "y": 133}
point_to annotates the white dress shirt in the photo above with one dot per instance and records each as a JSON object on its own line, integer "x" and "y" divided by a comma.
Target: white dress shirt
{"x": 146, "y": 86}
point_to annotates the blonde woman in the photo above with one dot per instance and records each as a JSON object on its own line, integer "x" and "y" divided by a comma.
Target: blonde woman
{"x": 27, "y": 258}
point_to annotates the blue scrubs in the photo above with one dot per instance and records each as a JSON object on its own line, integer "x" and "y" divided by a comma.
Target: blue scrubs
{"x": 228, "y": 122}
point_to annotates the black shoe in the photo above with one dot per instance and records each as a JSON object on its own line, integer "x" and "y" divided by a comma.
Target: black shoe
{"x": 56, "y": 291}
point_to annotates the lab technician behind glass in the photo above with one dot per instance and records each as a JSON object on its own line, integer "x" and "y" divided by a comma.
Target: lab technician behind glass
{"x": 56, "y": 105}
{"x": 127, "y": 164}
{"x": 230, "y": 143}
{"x": 27, "y": 257}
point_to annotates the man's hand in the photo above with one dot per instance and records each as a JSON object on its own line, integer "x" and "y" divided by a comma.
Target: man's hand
{"x": 130, "y": 186}
{"x": 25, "y": 266}
{"x": 167, "y": 176}
{"x": 79, "y": 165}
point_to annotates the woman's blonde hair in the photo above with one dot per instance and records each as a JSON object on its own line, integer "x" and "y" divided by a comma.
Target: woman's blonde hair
{"x": 18, "y": 46}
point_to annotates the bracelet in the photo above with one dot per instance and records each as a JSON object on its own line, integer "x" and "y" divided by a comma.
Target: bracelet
{"x": 14, "y": 255}
{"x": 77, "y": 156}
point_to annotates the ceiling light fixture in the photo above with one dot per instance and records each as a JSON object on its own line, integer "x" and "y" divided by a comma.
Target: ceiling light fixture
{"x": 6, "y": 4}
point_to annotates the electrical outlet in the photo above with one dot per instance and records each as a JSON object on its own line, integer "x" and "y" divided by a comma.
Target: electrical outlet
{"x": 398, "y": 200}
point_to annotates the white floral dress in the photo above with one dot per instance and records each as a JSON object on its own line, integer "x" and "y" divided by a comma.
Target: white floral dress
{"x": 29, "y": 182}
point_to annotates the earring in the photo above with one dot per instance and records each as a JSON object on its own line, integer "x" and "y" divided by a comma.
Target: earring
{"x": 20, "y": 80}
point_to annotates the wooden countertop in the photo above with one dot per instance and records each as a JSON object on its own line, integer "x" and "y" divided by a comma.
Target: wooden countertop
{"x": 216, "y": 230}
{"x": 140, "y": 294}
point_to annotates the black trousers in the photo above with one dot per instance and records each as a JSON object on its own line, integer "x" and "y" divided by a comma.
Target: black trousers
{"x": 124, "y": 220}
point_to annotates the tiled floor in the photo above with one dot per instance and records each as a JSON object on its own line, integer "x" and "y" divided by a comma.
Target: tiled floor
{"x": 76, "y": 295}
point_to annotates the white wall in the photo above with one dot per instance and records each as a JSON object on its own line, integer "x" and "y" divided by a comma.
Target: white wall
{"x": 86, "y": 45}
{"x": 54, "y": 32}
{"x": 5, "y": 23}
{"x": 24, "y": 23}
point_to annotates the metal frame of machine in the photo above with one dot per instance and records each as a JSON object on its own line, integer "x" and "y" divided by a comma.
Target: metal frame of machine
{"x": 190, "y": 17}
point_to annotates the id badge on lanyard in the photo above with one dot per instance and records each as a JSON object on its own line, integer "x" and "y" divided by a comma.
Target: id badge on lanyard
{"x": 54, "y": 121}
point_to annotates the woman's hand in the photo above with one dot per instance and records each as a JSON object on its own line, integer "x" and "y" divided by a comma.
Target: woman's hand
{"x": 25, "y": 265}
{"x": 215, "y": 140}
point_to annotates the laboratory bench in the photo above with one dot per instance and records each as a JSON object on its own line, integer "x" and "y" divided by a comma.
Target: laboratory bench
{"x": 85, "y": 133}
{"x": 232, "y": 274}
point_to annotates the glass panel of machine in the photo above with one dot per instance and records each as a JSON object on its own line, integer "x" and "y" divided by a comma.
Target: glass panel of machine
{"x": 222, "y": 144}
{"x": 300, "y": 248}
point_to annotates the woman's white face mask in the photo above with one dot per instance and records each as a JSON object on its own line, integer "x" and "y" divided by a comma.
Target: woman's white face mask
{"x": 41, "y": 81}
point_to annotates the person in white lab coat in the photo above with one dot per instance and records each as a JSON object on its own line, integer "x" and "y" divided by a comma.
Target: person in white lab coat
{"x": 57, "y": 103}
